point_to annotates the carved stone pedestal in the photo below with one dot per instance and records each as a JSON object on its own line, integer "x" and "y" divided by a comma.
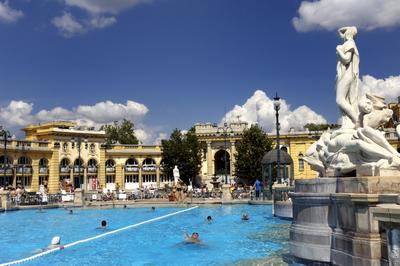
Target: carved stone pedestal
{"x": 226, "y": 193}
{"x": 311, "y": 230}
{"x": 342, "y": 221}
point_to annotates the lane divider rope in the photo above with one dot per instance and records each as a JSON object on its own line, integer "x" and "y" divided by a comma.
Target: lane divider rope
{"x": 94, "y": 238}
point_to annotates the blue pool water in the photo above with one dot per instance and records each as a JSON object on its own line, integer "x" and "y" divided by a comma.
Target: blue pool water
{"x": 227, "y": 240}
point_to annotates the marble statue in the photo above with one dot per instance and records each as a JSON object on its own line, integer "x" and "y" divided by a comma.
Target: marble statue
{"x": 175, "y": 172}
{"x": 347, "y": 73}
{"x": 358, "y": 142}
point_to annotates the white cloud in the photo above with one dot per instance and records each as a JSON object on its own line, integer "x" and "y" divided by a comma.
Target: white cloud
{"x": 9, "y": 15}
{"x": 18, "y": 114}
{"x": 259, "y": 108}
{"x": 333, "y": 14}
{"x": 98, "y": 15}
{"x": 388, "y": 87}
{"x": 68, "y": 25}
{"x": 105, "y": 6}
{"x": 100, "y": 22}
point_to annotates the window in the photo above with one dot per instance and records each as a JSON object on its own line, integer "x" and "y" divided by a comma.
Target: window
{"x": 301, "y": 163}
{"x": 131, "y": 179}
{"x": 65, "y": 147}
{"x": 24, "y": 181}
{"x": 43, "y": 180}
{"x": 110, "y": 179}
{"x": 92, "y": 148}
{"x": 149, "y": 178}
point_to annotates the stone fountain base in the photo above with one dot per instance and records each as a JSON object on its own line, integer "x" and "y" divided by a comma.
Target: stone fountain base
{"x": 334, "y": 219}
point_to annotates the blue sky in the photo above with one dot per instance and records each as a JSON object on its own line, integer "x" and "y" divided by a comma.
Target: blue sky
{"x": 185, "y": 61}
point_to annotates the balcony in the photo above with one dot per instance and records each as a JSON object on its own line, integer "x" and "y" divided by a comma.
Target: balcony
{"x": 92, "y": 169}
{"x": 8, "y": 170}
{"x": 131, "y": 168}
{"x": 78, "y": 169}
{"x": 149, "y": 168}
{"x": 110, "y": 169}
{"x": 27, "y": 170}
{"x": 64, "y": 169}
{"x": 43, "y": 170}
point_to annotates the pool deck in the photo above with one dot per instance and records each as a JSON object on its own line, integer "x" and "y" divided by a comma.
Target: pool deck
{"x": 141, "y": 204}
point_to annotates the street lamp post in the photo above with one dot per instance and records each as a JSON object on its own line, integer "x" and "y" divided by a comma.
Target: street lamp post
{"x": 78, "y": 142}
{"x": 277, "y": 105}
{"x": 6, "y": 135}
{"x": 225, "y": 131}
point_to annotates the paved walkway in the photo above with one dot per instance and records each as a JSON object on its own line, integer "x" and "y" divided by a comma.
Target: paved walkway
{"x": 142, "y": 203}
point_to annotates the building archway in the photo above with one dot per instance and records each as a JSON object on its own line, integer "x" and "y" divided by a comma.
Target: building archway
{"x": 220, "y": 164}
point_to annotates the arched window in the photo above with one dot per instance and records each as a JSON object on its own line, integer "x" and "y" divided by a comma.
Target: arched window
{"x": 110, "y": 163}
{"x": 92, "y": 148}
{"x": 43, "y": 162}
{"x": 301, "y": 163}
{"x": 65, "y": 147}
{"x": 23, "y": 160}
{"x": 3, "y": 160}
{"x": 110, "y": 166}
{"x": 149, "y": 165}
{"x": 92, "y": 162}
{"x": 64, "y": 165}
{"x": 64, "y": 162}
{"x": 131, "y": 165}
{"x": 131, "y": 161}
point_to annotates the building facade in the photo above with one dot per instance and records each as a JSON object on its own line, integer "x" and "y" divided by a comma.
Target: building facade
{"x": 62, "y": 155}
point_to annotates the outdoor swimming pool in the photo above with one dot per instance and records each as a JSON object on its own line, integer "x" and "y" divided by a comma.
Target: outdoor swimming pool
{"x": 227, "y": 240}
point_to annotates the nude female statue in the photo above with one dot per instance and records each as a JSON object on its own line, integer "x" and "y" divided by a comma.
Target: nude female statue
{"x": 347, "y": 74}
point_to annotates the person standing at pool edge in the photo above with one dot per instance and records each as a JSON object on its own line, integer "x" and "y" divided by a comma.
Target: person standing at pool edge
{"x": 257, "y": 186}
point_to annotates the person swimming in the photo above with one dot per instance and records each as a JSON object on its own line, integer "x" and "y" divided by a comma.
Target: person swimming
{"x": 55, "y": 243}
{"x": 71, "y": 212}
{"x": 245, "y": 216}
{"x": 209, "y": 219}
{"x": 153, "y": 208}
{"x": 103, "y": 225}
{"x": 194, "y": 238}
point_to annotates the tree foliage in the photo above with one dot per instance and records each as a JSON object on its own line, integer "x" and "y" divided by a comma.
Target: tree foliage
{"x": 250, "y": 151}
{"x": 320, "y": 127}
{"x": 183, "y": 150}
{"x": 120, "y": 132}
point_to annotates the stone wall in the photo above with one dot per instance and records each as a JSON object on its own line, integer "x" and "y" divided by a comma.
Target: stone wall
{"x": 337, "y": 220}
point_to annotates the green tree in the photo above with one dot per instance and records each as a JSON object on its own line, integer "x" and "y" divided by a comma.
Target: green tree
{"x": 183, "y": 150}
{"x": 319, "y": 127}
{"x": 120, "y": 132}
{"x": 250, "y": 151}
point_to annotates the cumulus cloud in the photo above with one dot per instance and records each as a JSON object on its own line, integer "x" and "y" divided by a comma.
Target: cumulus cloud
{"x": 8, "y": 14}
{"x": 70, "y": 26}
{"x": 333, "y": 14}
{"x": 100, "y": 14}
{"x": 388, "y": 87}
{"x": 105, "y": 6}
{"x": 18, "y": 114}
{"x": 259, "y": 108}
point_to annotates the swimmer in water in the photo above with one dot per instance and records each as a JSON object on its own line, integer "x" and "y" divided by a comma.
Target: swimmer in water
{"x": 103, "y": 225}
{"x": 194, "y": 238}
{"x": 245, "y": 216}
{"x": 71, "y": 212}
{"x": 55, "y": 243}
{"x": 209, "y": 219}
{"x": 153, "y": 208}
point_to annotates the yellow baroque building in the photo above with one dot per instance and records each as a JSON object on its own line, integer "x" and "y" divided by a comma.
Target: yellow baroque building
{"x": 49, "y": 155}
{"x": 60, "y": 153}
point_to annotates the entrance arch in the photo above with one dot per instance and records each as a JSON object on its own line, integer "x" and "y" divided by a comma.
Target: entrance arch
{"x": 219, "y": 163}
